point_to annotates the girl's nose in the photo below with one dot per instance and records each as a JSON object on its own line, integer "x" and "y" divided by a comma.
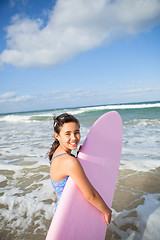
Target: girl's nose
{"x": 73, "y": 136}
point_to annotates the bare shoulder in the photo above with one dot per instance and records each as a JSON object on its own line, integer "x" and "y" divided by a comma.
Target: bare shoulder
{"x": 72, "y": 162}
{"x": 64, "y": 165}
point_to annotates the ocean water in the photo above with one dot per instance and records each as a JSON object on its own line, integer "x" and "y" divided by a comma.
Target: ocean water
{"x": 27, "y": 199}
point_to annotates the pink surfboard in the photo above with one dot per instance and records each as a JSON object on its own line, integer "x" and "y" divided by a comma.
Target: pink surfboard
{"x": 75, "y": 218}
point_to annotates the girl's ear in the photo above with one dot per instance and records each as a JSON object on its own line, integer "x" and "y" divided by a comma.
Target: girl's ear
{"x": 56, "y": 136}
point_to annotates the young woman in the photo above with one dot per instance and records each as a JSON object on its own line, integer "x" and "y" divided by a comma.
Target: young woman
{"x": 63, "y": 164}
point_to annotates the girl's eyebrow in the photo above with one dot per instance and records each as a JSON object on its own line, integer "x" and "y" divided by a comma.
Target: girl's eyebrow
{"x": 70, "y": 131}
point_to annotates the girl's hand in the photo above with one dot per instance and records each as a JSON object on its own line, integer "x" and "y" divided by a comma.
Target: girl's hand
{"x": 108, "y": 216}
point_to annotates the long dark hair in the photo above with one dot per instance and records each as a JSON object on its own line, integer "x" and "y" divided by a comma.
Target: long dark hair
{"x": 58, "y": 123}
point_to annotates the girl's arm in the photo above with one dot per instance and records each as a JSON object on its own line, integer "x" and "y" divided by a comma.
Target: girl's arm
{"x": 76, "y": 172}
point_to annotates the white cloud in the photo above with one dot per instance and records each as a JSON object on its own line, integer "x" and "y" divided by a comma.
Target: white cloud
{"x": 56, "y": 98}
{"x": 7, "y": 95}
{"x": 11, "y": 97}
{"x": 137, "y": 91}
{"x": 71, "y": 95}
{"x": 10, "y": 101}
{"x": 73, "y": 27}
{"x": 14, "y": 2}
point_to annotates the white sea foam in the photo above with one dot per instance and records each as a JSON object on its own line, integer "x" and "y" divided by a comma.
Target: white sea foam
{"x": 148, "y": 215}
{"x": 146, "y": 220}
{"x": 140, "y": 166}
{"x": 143, "y": 122}
{"x": 116, "y": 107}
{"x": 34, "y": 116}
{"x": 15, "y": 118}
{"x": 26, "y": 118}
{"x": 2, "y": 178}
{"x": 21, "y": 208}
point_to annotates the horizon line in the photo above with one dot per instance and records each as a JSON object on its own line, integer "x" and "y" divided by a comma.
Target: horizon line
{"x": 85, "y": 106}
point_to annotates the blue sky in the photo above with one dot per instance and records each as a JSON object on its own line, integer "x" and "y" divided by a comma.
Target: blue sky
{"x": 68, "y": 53}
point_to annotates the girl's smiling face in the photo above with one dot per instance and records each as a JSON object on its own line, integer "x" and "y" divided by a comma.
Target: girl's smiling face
{"x": 69, "y": 136}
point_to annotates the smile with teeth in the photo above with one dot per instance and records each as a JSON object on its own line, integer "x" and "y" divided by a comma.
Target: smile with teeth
{"x": 74, "y": 144}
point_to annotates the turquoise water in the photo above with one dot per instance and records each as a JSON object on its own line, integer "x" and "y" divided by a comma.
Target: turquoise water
{"x": 27, "y": 200}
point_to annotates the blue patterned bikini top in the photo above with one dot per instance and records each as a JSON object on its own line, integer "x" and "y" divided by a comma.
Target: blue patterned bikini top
{"x": 59, "y": 185}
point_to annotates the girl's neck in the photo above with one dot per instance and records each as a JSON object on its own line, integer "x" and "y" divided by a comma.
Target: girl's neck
{"x": 60, "y": 150}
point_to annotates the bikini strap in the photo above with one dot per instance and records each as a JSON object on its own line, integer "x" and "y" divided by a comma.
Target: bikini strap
{"x": 58, "y": 156}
